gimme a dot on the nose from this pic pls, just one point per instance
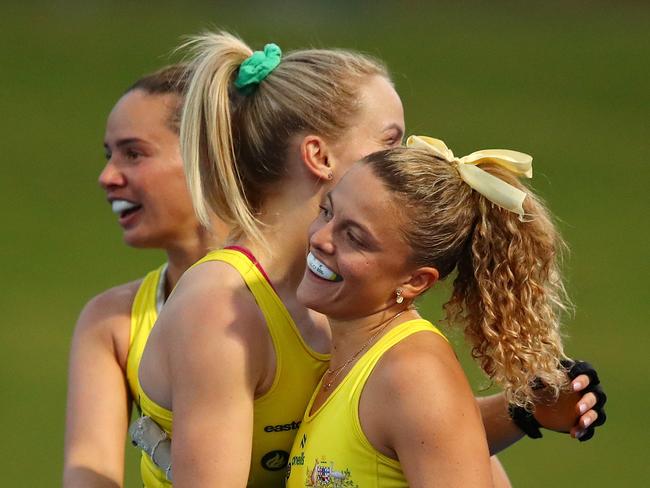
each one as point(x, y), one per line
point(111, 176)
point(320, 237)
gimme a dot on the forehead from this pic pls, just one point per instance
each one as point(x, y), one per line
point(381, 106)
point(361, 196)
point(379, 123)
point(141, 113)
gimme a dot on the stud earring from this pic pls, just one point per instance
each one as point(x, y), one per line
point(330, 175)
point(399, 298)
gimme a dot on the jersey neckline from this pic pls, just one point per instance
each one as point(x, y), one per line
point(309, 415)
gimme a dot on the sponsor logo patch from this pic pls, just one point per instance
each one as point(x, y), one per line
point(275, 460)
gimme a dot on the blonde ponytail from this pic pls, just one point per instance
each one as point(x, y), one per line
point(235, 146)
point(208, 152)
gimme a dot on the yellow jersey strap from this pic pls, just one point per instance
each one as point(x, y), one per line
point(278, 412)
point(144, 313)
point(279, 322)
point(362, 370)
point(366, 365)
point(352, 385)
point(331, 443)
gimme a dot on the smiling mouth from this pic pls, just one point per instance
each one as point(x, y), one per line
point(123, 208)
point(319, 269)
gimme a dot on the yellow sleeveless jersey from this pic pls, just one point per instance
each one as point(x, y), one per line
point(277, 414)
point(331, 449)
point(144, 312)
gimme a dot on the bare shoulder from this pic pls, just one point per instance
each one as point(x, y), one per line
point(211, 322)
point(423, 356)
point(209, 298)
point(212, 276)
point(419, 376)
point(426, 403)
point(106, 319)
point(112, 303)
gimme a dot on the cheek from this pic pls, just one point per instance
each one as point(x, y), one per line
point(370, 276)
point(314, 227)
point(357, 146)
point(172, 188)
point(370, 148)
point(363, 145)
point(359, 270)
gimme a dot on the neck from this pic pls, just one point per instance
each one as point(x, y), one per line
point(349, 336)
point(286, 218)
point(182, 255)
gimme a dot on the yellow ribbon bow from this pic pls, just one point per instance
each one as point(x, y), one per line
point(494, 189)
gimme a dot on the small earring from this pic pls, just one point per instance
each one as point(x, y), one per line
point(399, 298)
point(330, 175)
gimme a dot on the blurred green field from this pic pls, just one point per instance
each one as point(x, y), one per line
point(565, 81)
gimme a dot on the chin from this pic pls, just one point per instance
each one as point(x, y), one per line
point(307, 298)
point(302, 296)
point(140, 241)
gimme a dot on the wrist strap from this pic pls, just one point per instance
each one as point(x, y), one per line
point(525, 420)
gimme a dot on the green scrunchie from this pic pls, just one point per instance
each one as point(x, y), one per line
point(257, 67)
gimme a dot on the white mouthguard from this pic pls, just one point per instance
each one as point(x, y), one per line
point(119, 206)
point(320, 269)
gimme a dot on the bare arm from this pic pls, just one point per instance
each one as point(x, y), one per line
point(499, 475)
point(429, 420)
point(207, 340)
point(500, 430)
point(98, 403)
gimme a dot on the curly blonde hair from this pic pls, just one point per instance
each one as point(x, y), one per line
point(508, 292)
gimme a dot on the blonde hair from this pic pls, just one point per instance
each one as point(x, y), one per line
point(234, 146)
point(508, 291)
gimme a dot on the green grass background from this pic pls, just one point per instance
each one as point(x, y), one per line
point(565, 81)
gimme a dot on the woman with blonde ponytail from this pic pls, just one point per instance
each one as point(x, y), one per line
point(234, 354)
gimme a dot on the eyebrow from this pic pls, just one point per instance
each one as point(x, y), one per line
point(126, 142)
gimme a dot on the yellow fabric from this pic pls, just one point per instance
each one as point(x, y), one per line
point(494, 189)
point(277, 414)
point(143, 315)
point(331, 449)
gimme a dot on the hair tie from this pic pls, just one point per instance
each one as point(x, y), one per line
point(494, 189)
point(257, 67)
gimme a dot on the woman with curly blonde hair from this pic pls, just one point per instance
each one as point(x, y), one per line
point(399, 221)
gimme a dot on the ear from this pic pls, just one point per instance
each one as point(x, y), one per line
point(314, 154)
point(419, 282)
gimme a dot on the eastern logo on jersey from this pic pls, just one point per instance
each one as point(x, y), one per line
point(282, 427)
point(324, 475)
point(275, 460)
